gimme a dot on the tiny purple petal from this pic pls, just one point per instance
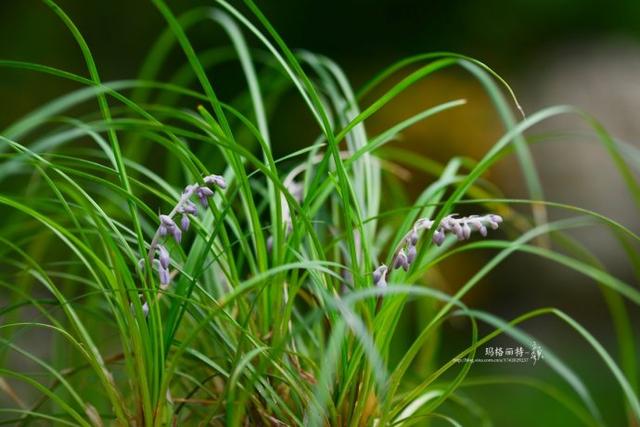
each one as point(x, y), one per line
point(496, 218)
point(167, 221)
point(438, 237)
point(379, 276)
point(413, 239)
point(397, 262)
point(190, 208)
point(206, 191)
point(448, 223)
point(466, 231)
point(376, 276)
point(189, 188)
point(163, 256)
point(475, 224)
point(401, 260)
point(411, 254)
point(162, 231)
point(216, 180)
point(165, 278)
point(184, 222)
point(177, 234)
point(202, 195)
point(457, 230)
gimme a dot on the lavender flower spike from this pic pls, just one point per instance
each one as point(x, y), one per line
point(167, 226)
point(462, 227)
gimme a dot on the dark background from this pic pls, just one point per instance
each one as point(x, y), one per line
point(361, 35)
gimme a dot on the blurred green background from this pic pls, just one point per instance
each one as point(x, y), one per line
point(584, 52)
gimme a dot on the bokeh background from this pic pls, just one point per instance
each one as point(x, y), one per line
point(582, 52)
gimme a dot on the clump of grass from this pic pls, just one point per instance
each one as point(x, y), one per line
point(281, 309)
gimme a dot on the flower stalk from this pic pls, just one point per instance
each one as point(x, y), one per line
point(168, 228)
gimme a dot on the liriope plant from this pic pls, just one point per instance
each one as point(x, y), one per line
point(276, 301)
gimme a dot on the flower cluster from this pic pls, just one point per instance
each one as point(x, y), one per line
point(461, 227)
point(158, 254)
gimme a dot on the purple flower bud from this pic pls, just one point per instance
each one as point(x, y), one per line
point(189, 188)
point(190, 208)
point(401, 261)
point(397, 262)
point(177, 234)
point(379, 276)
point(162, 231)
point(163, 256)
point(203, 193)
point(184, 222)
point(411, 254)
point(206, 191)
point(494, 221)
point(466, 231)
point(413, 239)
point(457, 230)
point(448, 223)
point(167, 221)
point(163, 273)
point(423, 223)
point(216, 180)
point(438, 237)
point(145, 309)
